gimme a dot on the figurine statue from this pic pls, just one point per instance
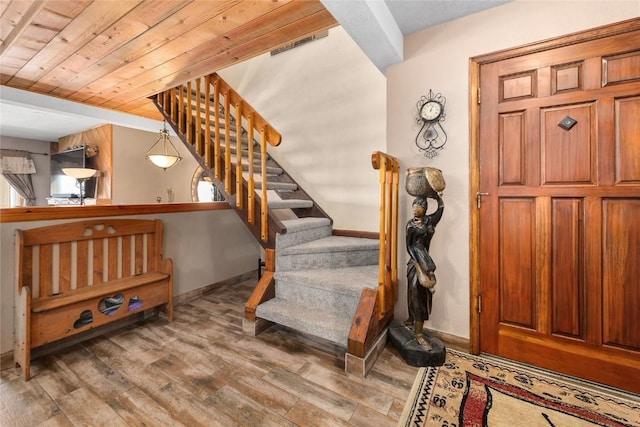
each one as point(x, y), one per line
point(421, 279)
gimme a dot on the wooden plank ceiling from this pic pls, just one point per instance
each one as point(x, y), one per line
point(115, 54)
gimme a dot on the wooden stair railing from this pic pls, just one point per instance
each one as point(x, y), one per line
point(207, 148)
point(375, 309)
point(388, 276)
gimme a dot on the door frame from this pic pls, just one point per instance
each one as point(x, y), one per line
point(475, 63)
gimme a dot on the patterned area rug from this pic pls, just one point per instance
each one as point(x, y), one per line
point(470, 391)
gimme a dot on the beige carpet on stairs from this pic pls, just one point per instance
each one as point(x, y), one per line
point(485, 391)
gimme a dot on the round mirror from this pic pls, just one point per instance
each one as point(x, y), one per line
point(203, 189)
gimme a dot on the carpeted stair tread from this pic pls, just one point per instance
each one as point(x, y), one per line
point(336, 290)
point(320, 323)
point(299, 224)
point(279, 186)
point(328, 252)
point(244, 153)
point(302, 230)
point(290, 204)
point(257, 168)
point(333, 244)
point(221, 125)
point(342, 280)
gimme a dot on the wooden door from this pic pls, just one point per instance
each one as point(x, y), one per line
point(558, 229)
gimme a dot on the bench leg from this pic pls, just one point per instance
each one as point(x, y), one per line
point(26, 370)
point(22, 349)
point(168, 309)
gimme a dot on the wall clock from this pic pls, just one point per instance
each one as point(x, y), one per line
point(431, 137)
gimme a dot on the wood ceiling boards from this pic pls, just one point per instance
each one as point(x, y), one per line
point(114, 54)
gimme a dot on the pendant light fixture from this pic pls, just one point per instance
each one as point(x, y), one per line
point(163, 153)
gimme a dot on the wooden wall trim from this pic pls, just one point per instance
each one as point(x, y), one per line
point(622, 27)
point(474, 214)
point(355, 233)
point(45, 213)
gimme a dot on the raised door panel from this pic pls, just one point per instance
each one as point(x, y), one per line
point(621, 68)
point(567, 77)
point(621, 273)
point(567, 277)
point(569, 152)
point(518, 255)
point(627, 126)
point(512, 148)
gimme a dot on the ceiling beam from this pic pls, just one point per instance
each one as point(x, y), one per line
point(373, 28)
point(69, 110)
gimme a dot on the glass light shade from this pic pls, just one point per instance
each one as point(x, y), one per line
point(163, 161)
point(79, 173)
point(163, 153)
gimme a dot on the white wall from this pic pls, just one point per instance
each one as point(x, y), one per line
point(192, 241)
point(136, 180)
point(328, 101)
point(41, 179)
point(438, 59)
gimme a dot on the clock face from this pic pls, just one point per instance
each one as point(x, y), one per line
point(431, 110)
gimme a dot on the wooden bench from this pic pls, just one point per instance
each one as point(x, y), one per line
point(77, 276)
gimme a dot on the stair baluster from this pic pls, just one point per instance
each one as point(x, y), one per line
point(263, 166)
point(216, 147)
point(239, 181)
point(251, 210)
point(188, 133)
point(180, 116)
point(198, 137)
point(227, 144)
point(207, 122)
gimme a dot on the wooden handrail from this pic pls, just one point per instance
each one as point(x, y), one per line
point(388, 262)
point(375, 308)
point(186, 119)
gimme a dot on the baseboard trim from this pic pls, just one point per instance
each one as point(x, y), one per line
point(355, 233)
point(453, 341)
point(6, 360)
point(197, 293)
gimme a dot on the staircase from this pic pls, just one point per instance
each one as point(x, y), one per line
point(319, 279)
point(337, 287)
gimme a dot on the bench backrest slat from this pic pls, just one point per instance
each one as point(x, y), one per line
point(65, 267)
point(112, 250)
point(45, 269)
point(58, 258)
point(139, 260)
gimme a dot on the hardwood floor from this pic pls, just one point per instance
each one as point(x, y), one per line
point(201, 370)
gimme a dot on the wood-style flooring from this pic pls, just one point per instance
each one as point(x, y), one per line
point(201, 370)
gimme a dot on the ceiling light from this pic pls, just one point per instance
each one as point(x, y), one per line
point(163, 153)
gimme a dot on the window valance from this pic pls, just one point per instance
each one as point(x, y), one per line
point(16, 162)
